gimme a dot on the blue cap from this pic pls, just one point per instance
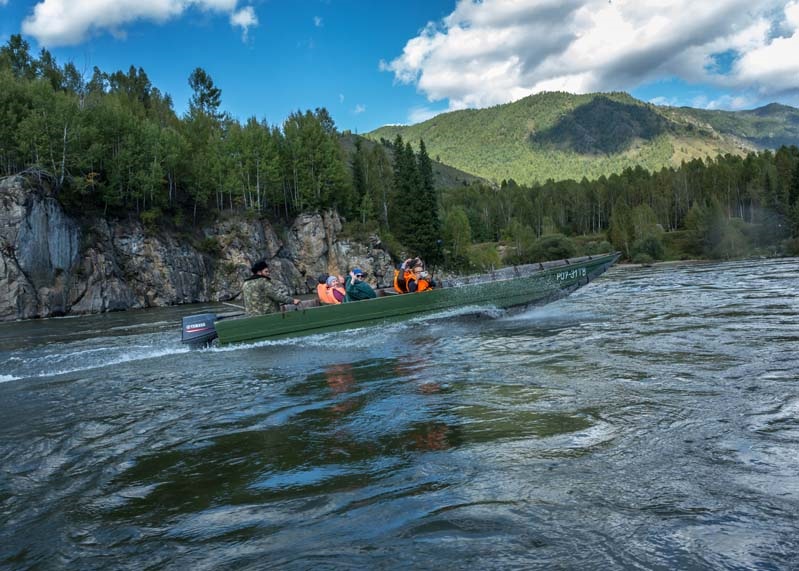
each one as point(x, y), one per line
point(357, 271)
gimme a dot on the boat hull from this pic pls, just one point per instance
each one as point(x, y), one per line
point(511, 287)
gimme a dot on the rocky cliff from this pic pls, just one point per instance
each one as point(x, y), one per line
point(52, 264)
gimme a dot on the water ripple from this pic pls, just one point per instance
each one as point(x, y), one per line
point(647, 421)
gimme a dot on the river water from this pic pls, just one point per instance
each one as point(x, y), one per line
point(648, 421)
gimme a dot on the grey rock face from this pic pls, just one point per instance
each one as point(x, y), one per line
point(51, 265)
point(38, 251)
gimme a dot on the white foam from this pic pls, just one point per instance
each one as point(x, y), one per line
point(7, 378)
point(146, 353)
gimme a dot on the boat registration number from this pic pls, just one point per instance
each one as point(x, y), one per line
point(571, 274)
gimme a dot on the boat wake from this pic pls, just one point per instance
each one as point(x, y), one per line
point(62, 359)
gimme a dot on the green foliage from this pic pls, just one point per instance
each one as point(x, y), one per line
point(791, 247)
point(642, 258)
point(650, 246)
point(210, 246)
point(393, 246)
point(151, 218)
point(360, 231)
point(713, 235)
point(521, 242)
point(553, 247)
point(206, 97)
point(457, 237)
point(484, 257)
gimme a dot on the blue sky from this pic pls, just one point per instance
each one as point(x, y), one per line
point(375, 62)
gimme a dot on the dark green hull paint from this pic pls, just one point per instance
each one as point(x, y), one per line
point(510, 287)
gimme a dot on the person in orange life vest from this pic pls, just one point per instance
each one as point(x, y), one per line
point(419, 280)
point(331, 292)
point(405, 273)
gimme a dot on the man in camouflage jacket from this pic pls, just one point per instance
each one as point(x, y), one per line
point(262, 294)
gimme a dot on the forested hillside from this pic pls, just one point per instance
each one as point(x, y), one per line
point(111, 145)
point(561, 135)
point(767, 127)
point(114, 146)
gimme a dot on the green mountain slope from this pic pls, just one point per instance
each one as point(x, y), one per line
point(560, 135)
point(767, 127)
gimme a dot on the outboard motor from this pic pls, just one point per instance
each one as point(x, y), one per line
point(198, 330)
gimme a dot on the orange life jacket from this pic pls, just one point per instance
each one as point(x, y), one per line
point(401, 282)
point(422, 284)
point(326, 294)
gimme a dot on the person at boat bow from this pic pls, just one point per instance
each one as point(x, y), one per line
point(262, 294)
point(356, 288)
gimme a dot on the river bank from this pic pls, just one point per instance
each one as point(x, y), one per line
point(55, 264)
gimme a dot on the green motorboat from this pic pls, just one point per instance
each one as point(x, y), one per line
point(511, 287)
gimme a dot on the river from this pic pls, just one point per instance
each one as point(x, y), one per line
point(648, 421)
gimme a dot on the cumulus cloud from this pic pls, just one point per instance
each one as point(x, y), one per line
point(359, 109)
point(244, 19)
point(494, 51)
point(70, 22)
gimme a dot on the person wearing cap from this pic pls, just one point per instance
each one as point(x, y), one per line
point(356, 288)
point(262, 294)
point(331, 292)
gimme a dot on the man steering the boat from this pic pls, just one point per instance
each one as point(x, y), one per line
point(262, 294)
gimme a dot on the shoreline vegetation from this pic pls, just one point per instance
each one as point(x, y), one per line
point(112, 147)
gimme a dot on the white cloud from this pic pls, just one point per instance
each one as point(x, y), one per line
point(359, 109)
point(341, 98)
point(244, 19)
point(317, 21)
point(70, 22)
point(3, 2)
point(730, 102)
point(667, 101)
point(494, 51)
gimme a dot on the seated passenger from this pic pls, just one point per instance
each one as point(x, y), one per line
point(331, 292)
point(262, 294)
point(411, 277)
point(402, 274)
point(419, 280)
point(356, 288)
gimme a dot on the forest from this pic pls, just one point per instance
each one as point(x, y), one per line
point(111, 144)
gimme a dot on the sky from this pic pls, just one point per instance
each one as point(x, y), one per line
point(378, 62)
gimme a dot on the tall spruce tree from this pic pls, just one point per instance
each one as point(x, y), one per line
point(428, 230)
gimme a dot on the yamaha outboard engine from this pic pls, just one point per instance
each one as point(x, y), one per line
point(198, 330)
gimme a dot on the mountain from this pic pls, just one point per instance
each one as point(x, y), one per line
point(561, 135)
point(767, 127)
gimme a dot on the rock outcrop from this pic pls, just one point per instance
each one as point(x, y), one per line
point(52, 264)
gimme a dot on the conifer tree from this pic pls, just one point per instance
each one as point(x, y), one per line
point(428, 231)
